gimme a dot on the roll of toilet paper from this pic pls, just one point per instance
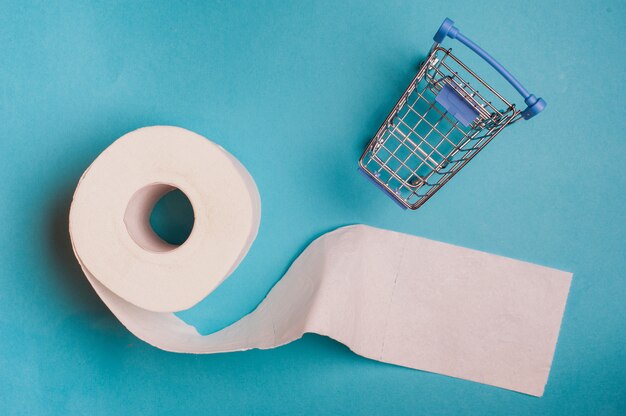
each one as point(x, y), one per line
point(109, 217)
point(387, 296)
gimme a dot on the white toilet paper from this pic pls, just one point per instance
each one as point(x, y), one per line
point(109, 217)
point(388, 296)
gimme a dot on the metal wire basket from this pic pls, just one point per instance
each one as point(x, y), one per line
point(443, 119)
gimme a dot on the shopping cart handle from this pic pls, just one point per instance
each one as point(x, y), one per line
point(535, 105)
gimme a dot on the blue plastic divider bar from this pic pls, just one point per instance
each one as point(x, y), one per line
point(535, 105)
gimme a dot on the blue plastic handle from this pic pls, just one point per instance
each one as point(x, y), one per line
point(535, 105)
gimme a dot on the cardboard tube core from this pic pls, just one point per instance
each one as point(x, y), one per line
point(137, 217)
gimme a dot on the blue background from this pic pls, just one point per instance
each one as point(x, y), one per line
point(295, 90)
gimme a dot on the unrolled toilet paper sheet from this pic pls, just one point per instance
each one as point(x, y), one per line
point(388, 296)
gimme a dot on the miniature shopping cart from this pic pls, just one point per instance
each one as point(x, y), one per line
point(445, 117)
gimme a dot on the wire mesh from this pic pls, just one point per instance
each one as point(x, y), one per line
point(421, 146)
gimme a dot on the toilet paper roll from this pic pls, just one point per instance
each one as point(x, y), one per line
point(388, 296)
point(109, 217)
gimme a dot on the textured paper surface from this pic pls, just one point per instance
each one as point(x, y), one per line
point(388, 296)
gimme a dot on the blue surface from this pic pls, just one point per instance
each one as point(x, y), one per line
point(295, 90)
